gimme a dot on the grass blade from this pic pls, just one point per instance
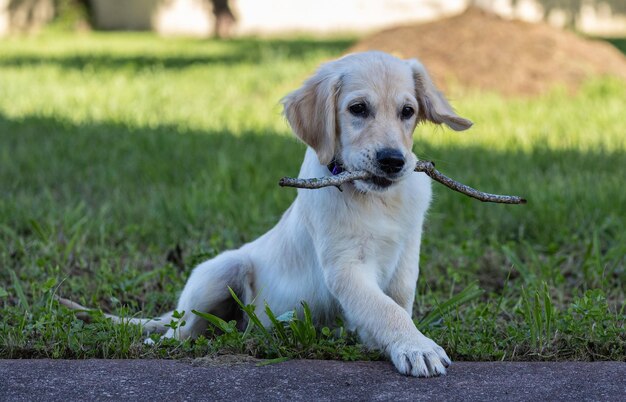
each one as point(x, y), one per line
point(278, 325)
point(250, 311)
point(528, 316)
point(471, 292)
point(549, 309)
point(19, 291)
point(216, 321)
point(37, 228)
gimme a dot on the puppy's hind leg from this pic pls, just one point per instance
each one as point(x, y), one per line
point(207, 291)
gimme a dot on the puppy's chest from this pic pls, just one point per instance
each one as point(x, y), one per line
point(386, 220)
point(381, 236)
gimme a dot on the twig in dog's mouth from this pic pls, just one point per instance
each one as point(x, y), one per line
point(422, 166)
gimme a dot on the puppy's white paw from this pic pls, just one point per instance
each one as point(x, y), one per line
point(420, 358)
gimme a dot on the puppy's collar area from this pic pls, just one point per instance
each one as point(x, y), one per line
point(335, 167)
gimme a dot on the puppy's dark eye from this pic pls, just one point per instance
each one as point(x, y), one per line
point(359, 109)
point(407, 112)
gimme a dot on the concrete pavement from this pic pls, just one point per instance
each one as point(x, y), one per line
point(306, 380)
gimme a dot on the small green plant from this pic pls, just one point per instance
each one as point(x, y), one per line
point(538, 311)
point(591, 325)
point(177, 321)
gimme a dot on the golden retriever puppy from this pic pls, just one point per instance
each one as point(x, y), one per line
point(352, 253)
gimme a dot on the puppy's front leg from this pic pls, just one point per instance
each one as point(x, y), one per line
point(379, 319)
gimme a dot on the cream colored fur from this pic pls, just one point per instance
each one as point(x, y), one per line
point(353, 253)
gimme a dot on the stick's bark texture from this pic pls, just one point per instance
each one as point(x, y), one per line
point(422, 166)
point(327, 181)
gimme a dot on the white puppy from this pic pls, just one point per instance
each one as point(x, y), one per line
point(352, 253)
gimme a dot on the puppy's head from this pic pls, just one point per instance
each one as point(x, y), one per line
point(362, 110)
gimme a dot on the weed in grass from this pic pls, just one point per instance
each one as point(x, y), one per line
point(538, 312)
point(290, 335)
point(177, 321)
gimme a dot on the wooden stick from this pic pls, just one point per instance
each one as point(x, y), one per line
point(422, 166)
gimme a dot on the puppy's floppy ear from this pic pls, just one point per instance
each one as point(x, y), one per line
point(312, 111)
point(433, 106)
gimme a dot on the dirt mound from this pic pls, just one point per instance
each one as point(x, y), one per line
point(477, 49)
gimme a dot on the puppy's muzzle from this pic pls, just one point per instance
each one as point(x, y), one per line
point(390, 161)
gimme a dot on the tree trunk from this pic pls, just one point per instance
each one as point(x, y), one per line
point(28, 15)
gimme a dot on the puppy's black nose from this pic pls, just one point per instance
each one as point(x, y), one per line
point(390, 160)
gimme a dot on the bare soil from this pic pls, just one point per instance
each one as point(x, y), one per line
point(480, 50)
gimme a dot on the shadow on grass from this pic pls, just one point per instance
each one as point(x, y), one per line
point(249, 51)
point(167, 180)
point(160, 171)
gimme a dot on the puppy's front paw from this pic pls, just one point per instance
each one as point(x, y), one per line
point(420, 358)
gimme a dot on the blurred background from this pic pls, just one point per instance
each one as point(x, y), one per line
point(203, 18)
point(140, 137)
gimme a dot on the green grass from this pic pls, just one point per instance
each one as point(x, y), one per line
point(126, 159)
